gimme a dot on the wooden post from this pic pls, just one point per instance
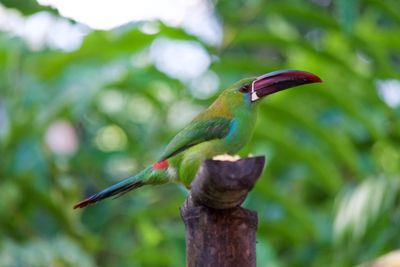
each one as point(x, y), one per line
point(219, 232)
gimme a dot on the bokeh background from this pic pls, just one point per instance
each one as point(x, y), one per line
point(91, 91)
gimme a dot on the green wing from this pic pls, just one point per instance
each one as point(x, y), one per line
point(196, 132)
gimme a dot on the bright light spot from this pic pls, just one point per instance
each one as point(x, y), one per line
point(65, 36)
point(10, 19)
point(150, 27)
point(111, 138)
point(45, 29)
point(389, 91)
point(360, 207)
point(204, 86)
point(163, 91)
point(183, 60)
point(202, 22)
point(109, 14)
point(196, 16)
point(42, 29)
point(61, 138)
point(141, 60)
point(111, 101)
point(181, 113)
point(140, 109)
point(120, 167)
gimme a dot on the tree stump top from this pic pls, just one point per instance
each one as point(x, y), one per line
point(225, 184)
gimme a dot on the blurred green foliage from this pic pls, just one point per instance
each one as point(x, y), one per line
point(330, 192)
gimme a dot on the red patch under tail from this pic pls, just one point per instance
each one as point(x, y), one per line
point(161, 165)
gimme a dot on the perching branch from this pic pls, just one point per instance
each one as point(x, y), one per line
point(218, 231)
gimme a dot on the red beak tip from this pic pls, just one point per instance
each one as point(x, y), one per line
point(318, 79)
point(313, 78)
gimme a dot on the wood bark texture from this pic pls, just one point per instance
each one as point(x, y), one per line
point(219, 232)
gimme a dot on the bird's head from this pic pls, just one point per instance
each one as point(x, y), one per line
point(254, 89)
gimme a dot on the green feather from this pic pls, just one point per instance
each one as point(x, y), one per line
point(195, 133)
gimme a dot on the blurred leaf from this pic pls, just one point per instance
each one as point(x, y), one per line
point(332, 148)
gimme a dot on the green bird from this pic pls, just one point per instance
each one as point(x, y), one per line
point(223, 128)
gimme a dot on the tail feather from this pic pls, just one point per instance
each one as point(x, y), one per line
point(128, 188)
point(116, 190)
point(156, 174)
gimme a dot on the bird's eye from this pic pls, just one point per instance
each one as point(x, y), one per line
point(245, 88)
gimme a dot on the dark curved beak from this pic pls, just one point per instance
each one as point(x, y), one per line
point(280, 80)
